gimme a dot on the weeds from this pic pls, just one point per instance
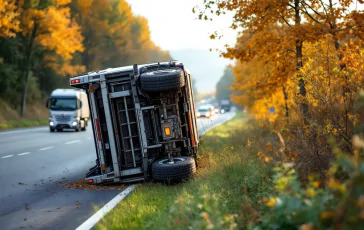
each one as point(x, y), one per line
point(226, 192)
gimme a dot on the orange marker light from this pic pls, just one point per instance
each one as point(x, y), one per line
point(90, 181)
point(92, 89)
point(167, 131)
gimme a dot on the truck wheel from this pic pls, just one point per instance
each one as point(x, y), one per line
point(162, 80)
point(51, 129)
point(181, 169)
point(84, 126)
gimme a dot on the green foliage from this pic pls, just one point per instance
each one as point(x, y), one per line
point(224, 194)
point(100, 34)
point(333, 205)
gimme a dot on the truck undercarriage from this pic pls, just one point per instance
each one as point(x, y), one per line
point(144, 123)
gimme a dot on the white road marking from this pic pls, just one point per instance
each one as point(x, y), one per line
point(46, 148)
point(22, 154)
point(7, 156)
point(71, 142)
point(90, 222)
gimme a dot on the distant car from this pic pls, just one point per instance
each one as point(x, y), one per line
point(205, 111)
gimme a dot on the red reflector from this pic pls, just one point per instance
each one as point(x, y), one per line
point(73, 81)
point(90, 181)
point(98, 129)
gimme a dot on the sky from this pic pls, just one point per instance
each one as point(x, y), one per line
point(174, 26)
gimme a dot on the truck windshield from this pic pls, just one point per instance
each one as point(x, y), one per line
point(63, 104)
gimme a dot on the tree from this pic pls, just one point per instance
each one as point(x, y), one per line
point(9, 18)
point(47, 25)
point(256, 17)
point(223, 86)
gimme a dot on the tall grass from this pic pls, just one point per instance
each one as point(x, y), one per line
point(224, 194)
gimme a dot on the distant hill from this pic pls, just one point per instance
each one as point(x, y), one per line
point(206, 67)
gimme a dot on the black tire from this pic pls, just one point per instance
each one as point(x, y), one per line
point(51, 129)
point(183, 168)
point(84, 126)
point(162, 80)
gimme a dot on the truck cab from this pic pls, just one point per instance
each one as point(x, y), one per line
point(68, 109)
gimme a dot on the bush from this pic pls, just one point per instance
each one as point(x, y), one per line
point(329, 204)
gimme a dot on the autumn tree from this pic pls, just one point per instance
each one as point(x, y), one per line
point(44, 42)
point(47, 26)
point(9, 18)
point(319, 17)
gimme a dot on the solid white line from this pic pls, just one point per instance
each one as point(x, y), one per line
point(46, 148)
point(90, 222)
point(71, 142)
point(7, 156)
point(22, 154)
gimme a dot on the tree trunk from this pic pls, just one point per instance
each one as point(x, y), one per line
point(348, 101)
point(25, 92)
point(27, 71)
point(285, 101)
point(299, 64)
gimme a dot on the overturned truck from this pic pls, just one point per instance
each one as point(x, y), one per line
point(144, 124)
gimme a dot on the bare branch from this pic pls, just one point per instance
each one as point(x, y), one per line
point(309, 15)
point(285, 21)
point(315, 11)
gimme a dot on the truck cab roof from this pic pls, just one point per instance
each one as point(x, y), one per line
point(66, 92)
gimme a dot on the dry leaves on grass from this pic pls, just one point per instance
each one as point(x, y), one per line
point(81, 184)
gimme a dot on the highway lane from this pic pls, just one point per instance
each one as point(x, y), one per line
point(34, 164)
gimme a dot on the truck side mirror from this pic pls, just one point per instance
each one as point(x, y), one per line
point(47, 103)
point(80, 105)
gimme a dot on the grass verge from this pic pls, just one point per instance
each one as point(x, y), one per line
point(225, 193)
point(23, 123)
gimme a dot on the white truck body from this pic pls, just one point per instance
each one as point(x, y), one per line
point(68, 109)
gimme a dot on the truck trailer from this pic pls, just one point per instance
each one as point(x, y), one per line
point(144, 123)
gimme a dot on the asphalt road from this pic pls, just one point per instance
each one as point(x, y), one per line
point(34, 164)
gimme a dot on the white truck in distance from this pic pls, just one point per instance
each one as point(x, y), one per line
point(68, 109)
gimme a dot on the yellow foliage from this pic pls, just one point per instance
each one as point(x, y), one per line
point(310, 192)
point(307, 227)
point(315, 184)
point(271, 202)
point(9, 21)
point(334, 184)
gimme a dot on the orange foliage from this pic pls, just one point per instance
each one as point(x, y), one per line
point(9, 22)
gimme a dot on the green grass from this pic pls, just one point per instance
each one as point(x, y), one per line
point(224, 194)
point(23, 123)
